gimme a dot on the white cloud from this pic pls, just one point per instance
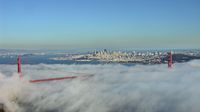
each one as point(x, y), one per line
point(114, 88)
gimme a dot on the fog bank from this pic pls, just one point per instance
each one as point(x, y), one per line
point(113, 88)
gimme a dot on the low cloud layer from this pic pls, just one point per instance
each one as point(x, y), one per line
point(113, 88)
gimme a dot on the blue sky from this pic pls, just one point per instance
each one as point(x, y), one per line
point(64, 24)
